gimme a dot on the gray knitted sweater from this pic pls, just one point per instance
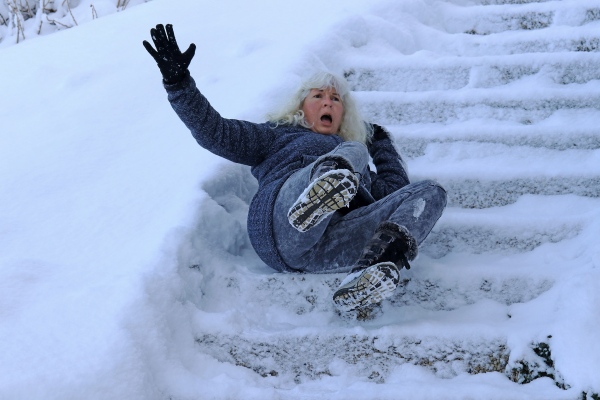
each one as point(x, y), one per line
point(274, 153)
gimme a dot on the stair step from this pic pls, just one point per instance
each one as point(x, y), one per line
point(505, 162)
point(485, 238)
point(486, 20)
point(412, 140)
point(558, 39)
point(500, 22)
point(476, 104)
point(269, 299)
point(509, 172)
point(410, 74)
point(510, 2)
point(305, 356)
point(522, 226)
point(474, 193)
point(430, 289)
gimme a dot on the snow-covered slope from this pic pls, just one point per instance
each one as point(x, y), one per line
point(125, 268)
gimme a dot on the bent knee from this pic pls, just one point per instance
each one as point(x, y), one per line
point(436, 189)
point(435, 184)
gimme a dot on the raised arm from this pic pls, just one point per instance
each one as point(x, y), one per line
point(391, 174)
point(238, 141)
point(173, 64)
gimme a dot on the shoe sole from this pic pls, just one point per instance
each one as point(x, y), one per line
point(372, 286)
point(328, 193)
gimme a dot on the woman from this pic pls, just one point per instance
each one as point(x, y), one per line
point(318, 207)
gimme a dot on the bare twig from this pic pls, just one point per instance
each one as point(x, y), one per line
point(94, 13)
point(20, 29)
point(54, 22)
point(17, 19)
point(70, 12)
point(122, 4)
point(39, 12)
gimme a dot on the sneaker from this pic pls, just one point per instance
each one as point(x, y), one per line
point(367, 286)
point(326, 194)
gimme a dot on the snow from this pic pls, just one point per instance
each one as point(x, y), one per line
point(122, 241)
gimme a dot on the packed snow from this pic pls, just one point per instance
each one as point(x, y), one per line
point(125, 268)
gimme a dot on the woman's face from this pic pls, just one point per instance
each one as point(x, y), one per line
point(323, 110)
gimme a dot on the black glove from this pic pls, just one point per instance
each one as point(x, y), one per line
point(172, 63)
point(379, 133)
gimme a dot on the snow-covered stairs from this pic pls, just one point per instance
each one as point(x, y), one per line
point(311, 356)
point(491, 111)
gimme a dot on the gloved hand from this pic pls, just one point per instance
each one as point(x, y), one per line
point(172, 63)
point(379, 133)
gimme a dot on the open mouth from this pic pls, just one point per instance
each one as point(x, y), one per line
point(326, 118)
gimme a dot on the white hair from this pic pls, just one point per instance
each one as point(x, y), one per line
point(352, 127)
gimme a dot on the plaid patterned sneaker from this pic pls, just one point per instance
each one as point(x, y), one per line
point(326, 194)
point(367, 286)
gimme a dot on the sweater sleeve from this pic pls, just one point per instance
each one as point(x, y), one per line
point(238, 141)
point(391, 174)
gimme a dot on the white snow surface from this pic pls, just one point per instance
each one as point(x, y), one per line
point(122, 241)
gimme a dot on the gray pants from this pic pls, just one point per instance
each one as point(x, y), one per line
point(336, 243)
